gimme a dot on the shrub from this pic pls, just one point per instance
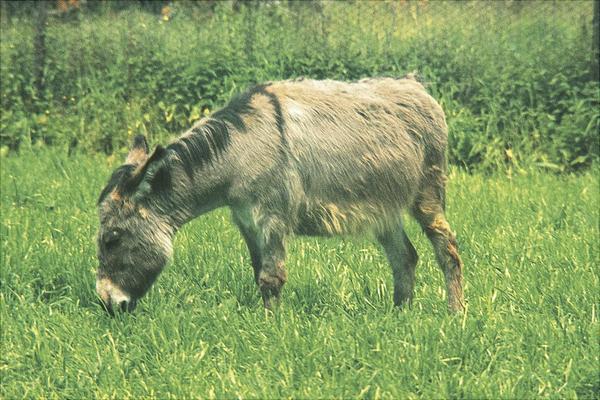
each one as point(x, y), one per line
point(513, 77)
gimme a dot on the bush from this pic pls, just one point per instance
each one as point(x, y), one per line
point(513, 77)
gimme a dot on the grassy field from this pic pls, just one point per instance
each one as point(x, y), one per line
point(529, 239)
point(530, 246)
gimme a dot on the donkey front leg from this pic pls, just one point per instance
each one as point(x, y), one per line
point(272, 275)
point(266, 244)
point(252, 243)
point(271, 279)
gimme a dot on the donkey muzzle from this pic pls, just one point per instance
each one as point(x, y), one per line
point(113, 298)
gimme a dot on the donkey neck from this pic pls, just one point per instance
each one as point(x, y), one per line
point(200, 170)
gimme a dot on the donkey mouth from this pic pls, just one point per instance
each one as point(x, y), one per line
point(113, 298)
point(122, 307)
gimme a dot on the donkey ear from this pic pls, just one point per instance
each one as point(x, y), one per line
point(139, 151)
point(138, 176)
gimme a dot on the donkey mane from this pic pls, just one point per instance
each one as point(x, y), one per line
point(210, 138)
point(202, 144)
point(199, 147)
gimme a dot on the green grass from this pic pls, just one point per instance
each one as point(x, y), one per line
point(529, 243)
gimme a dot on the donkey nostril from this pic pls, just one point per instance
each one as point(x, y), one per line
point(123, 305)
point(106, 307)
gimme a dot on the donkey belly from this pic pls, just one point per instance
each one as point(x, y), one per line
point(357, 191)
point(328, 219)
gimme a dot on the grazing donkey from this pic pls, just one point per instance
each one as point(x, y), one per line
point(299, 156)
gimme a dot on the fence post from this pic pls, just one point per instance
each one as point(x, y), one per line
point(250, 14)
point(596, 41)
point(39, 47)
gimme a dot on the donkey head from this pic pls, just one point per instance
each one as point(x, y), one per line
point(134, 239)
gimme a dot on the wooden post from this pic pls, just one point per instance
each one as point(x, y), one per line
point(39, 47)
point(595, 73)
point(250, 14)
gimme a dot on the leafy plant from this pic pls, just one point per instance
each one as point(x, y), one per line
point(513, 78)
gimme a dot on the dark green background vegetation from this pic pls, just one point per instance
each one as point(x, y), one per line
point(515, 78)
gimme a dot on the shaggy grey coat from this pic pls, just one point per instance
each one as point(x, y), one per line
point(300, 156)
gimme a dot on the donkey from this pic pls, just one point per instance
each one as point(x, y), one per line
point(300, 157)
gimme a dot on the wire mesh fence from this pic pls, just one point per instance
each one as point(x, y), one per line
point(518, 79)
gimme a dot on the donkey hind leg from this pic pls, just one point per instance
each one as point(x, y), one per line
point(402, 257)
point(266, 243)
point(429, 212)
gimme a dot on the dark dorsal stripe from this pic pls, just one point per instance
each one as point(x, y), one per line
point(279, 122)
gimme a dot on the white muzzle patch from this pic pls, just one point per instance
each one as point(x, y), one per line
point(111, 294)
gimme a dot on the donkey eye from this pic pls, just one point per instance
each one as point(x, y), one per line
point(112, 237)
